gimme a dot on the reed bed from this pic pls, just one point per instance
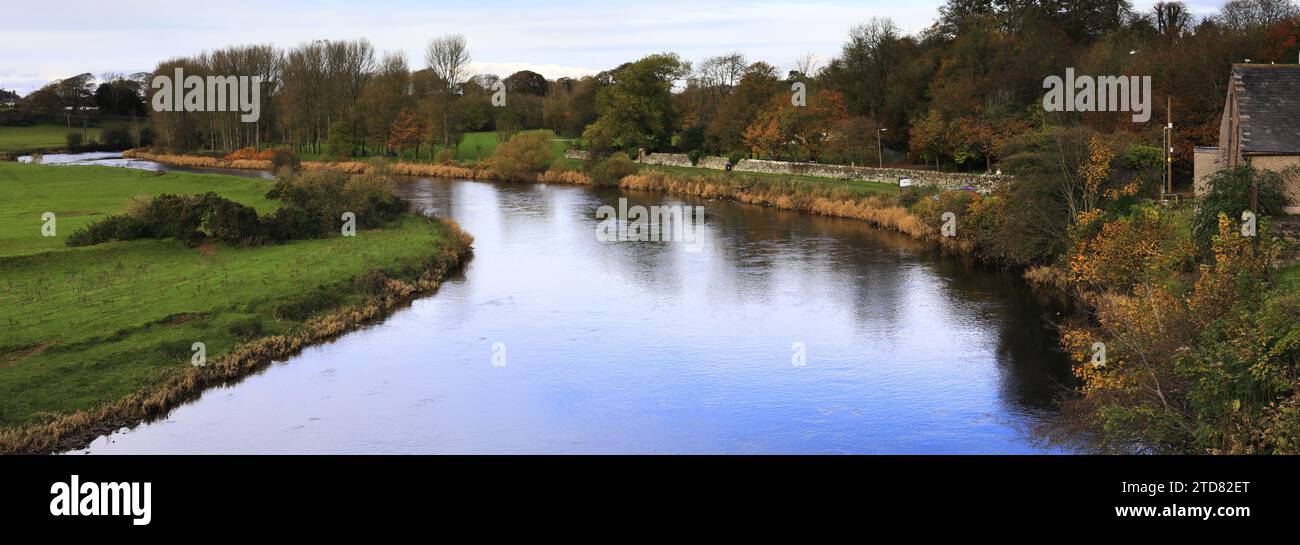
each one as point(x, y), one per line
point(784, 194)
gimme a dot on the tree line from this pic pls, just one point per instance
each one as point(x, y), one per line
point(955, 96)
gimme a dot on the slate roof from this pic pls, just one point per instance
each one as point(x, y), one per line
point(1268, 100)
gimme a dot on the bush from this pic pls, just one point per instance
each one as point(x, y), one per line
point(230, 221)
point(371, 198)
point(523, 157)
point(73, 141)
point(117, 137)
point(695, 155)
point(611, 170)
point(325, 194)
point(339, 140)
point(734, 158)
point(285, 158)
point(293, 223)
point(250, 154)
point(105, 230)
point(445, 157)
point(1230, 194)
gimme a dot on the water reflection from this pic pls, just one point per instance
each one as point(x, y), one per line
point(648, 348)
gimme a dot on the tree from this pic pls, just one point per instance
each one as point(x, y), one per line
point(448, 58)
point(526, 82)
point(1251, 15)
point(407, 132)
point(637, 109)
point(385, 95)
point(782, 125)
point(1172, 18)
point(523, 157)
point(740, 107)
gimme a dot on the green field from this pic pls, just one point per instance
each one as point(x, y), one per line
point(88, 325)
point(14, 139)
point(79, 196)
point(472, 147)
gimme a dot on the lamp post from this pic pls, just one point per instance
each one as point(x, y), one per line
point(880, 149)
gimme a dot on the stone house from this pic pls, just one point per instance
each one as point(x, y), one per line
point(1260, 126)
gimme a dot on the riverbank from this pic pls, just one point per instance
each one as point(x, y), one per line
point(833, 198)
point(102, 337)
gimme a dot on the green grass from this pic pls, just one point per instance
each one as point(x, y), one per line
point(14, 139)
point(472, 147)
point(79, 196)
point(88, 325)
point(1289, 277)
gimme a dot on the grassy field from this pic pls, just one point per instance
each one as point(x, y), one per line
point(472, 147)
point(79, 196)
point(84, 326)
point(14, 139)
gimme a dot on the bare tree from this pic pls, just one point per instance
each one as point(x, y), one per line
point(723, 70)
point(807, 65)
point(448, 58)
point(1172, 18)
point(1245, 15)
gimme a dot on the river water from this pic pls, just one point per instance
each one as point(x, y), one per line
point(552, 341)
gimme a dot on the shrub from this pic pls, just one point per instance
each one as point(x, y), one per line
point(230, 221)
point(445, 157)
point(293, 223)
point(613, 169)
point(1126, 251)
point(523, 157)
point(371, 198)
point(1230, 194)
point(73, 141)
point(183, 217)
point(117, 137)
point(285, 158)
point(695, 155)
point(250, 154)
point(105, 230)
point(733, 158)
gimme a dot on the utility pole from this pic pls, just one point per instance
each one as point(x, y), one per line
point(880, 149)
point(1169, 147)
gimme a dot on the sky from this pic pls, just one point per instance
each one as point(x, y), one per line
point(554, 38)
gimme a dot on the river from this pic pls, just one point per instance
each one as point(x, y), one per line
point(551, 341)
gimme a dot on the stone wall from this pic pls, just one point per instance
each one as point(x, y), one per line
point(669, 159)
point(945, 180)
point(715, 163)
